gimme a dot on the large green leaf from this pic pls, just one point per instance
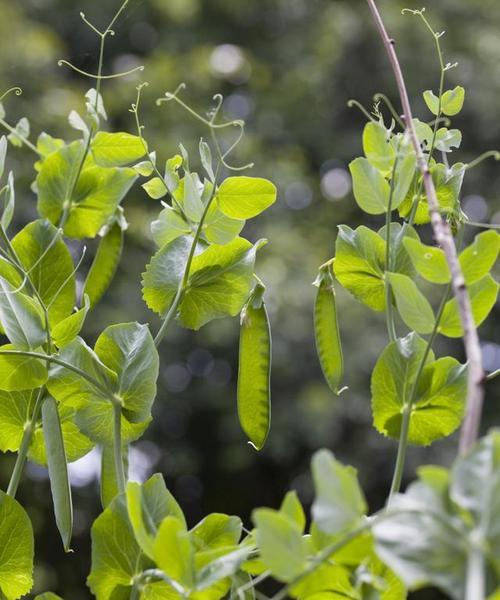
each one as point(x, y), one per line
point(67, 329)
point(412, 305)
point(245, 197)
point(169, 225)
point(476, 488)
point(429, 261)
point(117, 149)
point(148, 505)
point(128, 349)
point(437, 402)
point(218, 228)
point(359, 264)
point(16, 554)
point(44, 254)
point(280, 542)
point(91, 202)
point(174, 553)
point(220, 280)
point(377, 147)
point(370, 188)
point(21, 317)
point(16, 409)
point(422, 543)
point(479, 258)
point(116, 556)
point(483, 295)
point(19, 373)
point(216, 531)
point(339, 504)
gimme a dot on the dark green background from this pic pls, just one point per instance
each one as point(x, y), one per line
point(298, 63)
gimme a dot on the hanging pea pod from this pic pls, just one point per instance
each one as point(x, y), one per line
point(254, 396)
point(105, 264)
point(58, 470)
point(326, 330)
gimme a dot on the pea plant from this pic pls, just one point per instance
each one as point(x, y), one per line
point(59, 397)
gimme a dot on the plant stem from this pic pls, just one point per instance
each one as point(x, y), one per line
point(492, 375)
point(117, 444)
point(29, 428)
point(444, 238)
point(24, 140)
point(405, 422)
point(181, 290)
point(475, 587)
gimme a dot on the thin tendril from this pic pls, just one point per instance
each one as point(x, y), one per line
point(98, 77)
point(358, 105)
point(211, 124)
point(379, 97)
point(17, 90)
point(488, 154)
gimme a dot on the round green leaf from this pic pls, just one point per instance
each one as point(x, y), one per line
point(245, 197)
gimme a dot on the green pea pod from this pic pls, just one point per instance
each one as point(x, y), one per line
point(254, 396)
point(326, 331)
point(58, 470)
point(105, 263)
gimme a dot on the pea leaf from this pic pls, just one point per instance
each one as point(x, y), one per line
point(191, 202)
point(67, 329)
point(216, 531)
point(483, 295)
point(446, 139)
point(21, 130)
point(117, 149)
point(422, 543)
point(174, 553)
point(44, 254)
point(148, 505)
point(370, 188)
point(448, 183)
point(339, 504)
point(16, 541)
point(104, 265)
point(21, 318)
point(129, 351)
point(169, 226)
point(280, 543)
point(155, 188)
point(438, 401)
point(116, 556)
point(245, 197)
point(19, 373)
point(7, 201)
point(452, 101)
point(479, 257)
point(92, 202)
point(429, 261)
point(475, 488)
point(220, 229)
point(377, 147)
point(359, 265)
point(292, 507)
point(3, 152)
point(403, 178)
point(412, 305)
point(219, 283)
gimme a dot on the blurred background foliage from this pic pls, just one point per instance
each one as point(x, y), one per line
point(288, 67)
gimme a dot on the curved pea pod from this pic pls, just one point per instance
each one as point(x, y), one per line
point(326, 331)
point(254, 396)
point(58, 470)
point(104, 265)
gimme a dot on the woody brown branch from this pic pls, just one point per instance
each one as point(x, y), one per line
point(444, 238)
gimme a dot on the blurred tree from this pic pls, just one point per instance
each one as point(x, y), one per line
point(288, 67)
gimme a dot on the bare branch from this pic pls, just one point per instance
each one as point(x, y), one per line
point(444, 238)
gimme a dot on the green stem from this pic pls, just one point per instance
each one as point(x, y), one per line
point(62, 363)
point(181, 290)
point(22, 454)
point(117, 444)
point(405, 423)
point(475, 585)
point(489, 153)
point(391, 328)
point(492, 375)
